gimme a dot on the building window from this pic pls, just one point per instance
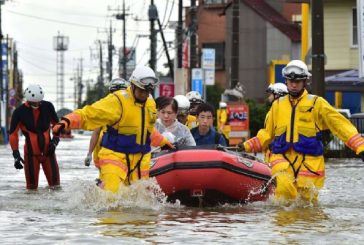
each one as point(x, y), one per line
point(354, 36)
point(219, 54)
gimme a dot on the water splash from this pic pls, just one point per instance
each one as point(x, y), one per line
point(144, 194)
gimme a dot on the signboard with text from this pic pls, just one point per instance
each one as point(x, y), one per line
point(166, 89)
point(238, 116)
point(208, 64)
point(197, 80)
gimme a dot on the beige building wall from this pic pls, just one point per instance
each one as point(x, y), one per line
point(338, 30)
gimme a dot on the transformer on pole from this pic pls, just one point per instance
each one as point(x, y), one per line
point(60, 44)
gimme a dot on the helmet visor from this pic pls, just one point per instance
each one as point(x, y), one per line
point(183, 111)
point(150, 82)
point(295, 73)
point(295, 76)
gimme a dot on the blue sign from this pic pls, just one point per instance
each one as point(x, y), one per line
point(197, 85)
point(278, 73)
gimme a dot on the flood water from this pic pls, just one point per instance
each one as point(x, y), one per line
point(80, 213)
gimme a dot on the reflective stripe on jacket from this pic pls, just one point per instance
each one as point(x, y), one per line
point(299, 126)
point(131, 123)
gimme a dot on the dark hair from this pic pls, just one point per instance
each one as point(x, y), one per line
point(164, 101)
point(205, 107)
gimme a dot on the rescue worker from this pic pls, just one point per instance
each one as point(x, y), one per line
point(183, 111)
point(130, 114)
point(94, 146)
point(274, 91)
point(195, 100)
point(204, 133)
point(223, 126)
point(294, 131)
point(34, 118)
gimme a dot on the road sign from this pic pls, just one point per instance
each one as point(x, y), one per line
point(209, 77)
point(166, 89)
point(197, 80)
point(208, 58)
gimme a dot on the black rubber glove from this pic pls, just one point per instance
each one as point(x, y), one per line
point(53, 145)
point(361, 154)
point(17, 160)
point(241, 147)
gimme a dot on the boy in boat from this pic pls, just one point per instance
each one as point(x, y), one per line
point(294, 132)
point(204, 133)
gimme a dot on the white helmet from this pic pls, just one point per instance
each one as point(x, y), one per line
point(117, 84)
point(34, 93)
point(222, 104)
point(296, 70)
point(279, 89)
point(183, 104)
point(194, 97)
point(144, 77)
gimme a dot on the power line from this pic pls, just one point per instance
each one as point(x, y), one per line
point(52, 20)
point(62, 22)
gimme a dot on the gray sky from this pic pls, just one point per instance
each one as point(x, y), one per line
point(34, 23)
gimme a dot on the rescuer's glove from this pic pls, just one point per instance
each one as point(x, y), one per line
point(241, 147)
point(17, 160)
point(88, 159)
point(57, 129)
point(168, 146)
point(53, 145)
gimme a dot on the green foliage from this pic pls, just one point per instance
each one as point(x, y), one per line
point(92, 95)
point(257, 114)
point(213, 95)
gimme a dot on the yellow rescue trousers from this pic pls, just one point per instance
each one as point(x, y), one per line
point(297, 176)
point(121, 169)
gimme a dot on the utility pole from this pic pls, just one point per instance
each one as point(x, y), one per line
point(318, 53)
point(179, 34)
point(234, 76)
point(2, 138)
point(124, 60)
point(193, 42)
point(110, 49)
point(79, 83)
point(170, 65)
point(100, 90)
point(153, 15)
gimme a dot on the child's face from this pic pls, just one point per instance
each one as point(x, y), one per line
point(205, 119)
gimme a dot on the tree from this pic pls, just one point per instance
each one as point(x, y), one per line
point(257, 114)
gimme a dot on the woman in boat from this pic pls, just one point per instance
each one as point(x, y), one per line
point(167, 122)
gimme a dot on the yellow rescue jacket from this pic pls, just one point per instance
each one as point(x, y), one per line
point(191, 122)
point(298, 125)
point(130, 123)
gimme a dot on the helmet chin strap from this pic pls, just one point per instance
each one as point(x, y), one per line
point(299, 93)
point(133, 87)
point(296, 94)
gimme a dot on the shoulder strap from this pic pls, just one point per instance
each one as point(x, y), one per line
point(121, 104)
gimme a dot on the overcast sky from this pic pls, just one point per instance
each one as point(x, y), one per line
point(34, 23)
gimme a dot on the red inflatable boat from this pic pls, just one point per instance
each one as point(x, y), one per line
point(211, 176)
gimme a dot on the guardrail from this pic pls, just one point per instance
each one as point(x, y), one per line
point(337, 149)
